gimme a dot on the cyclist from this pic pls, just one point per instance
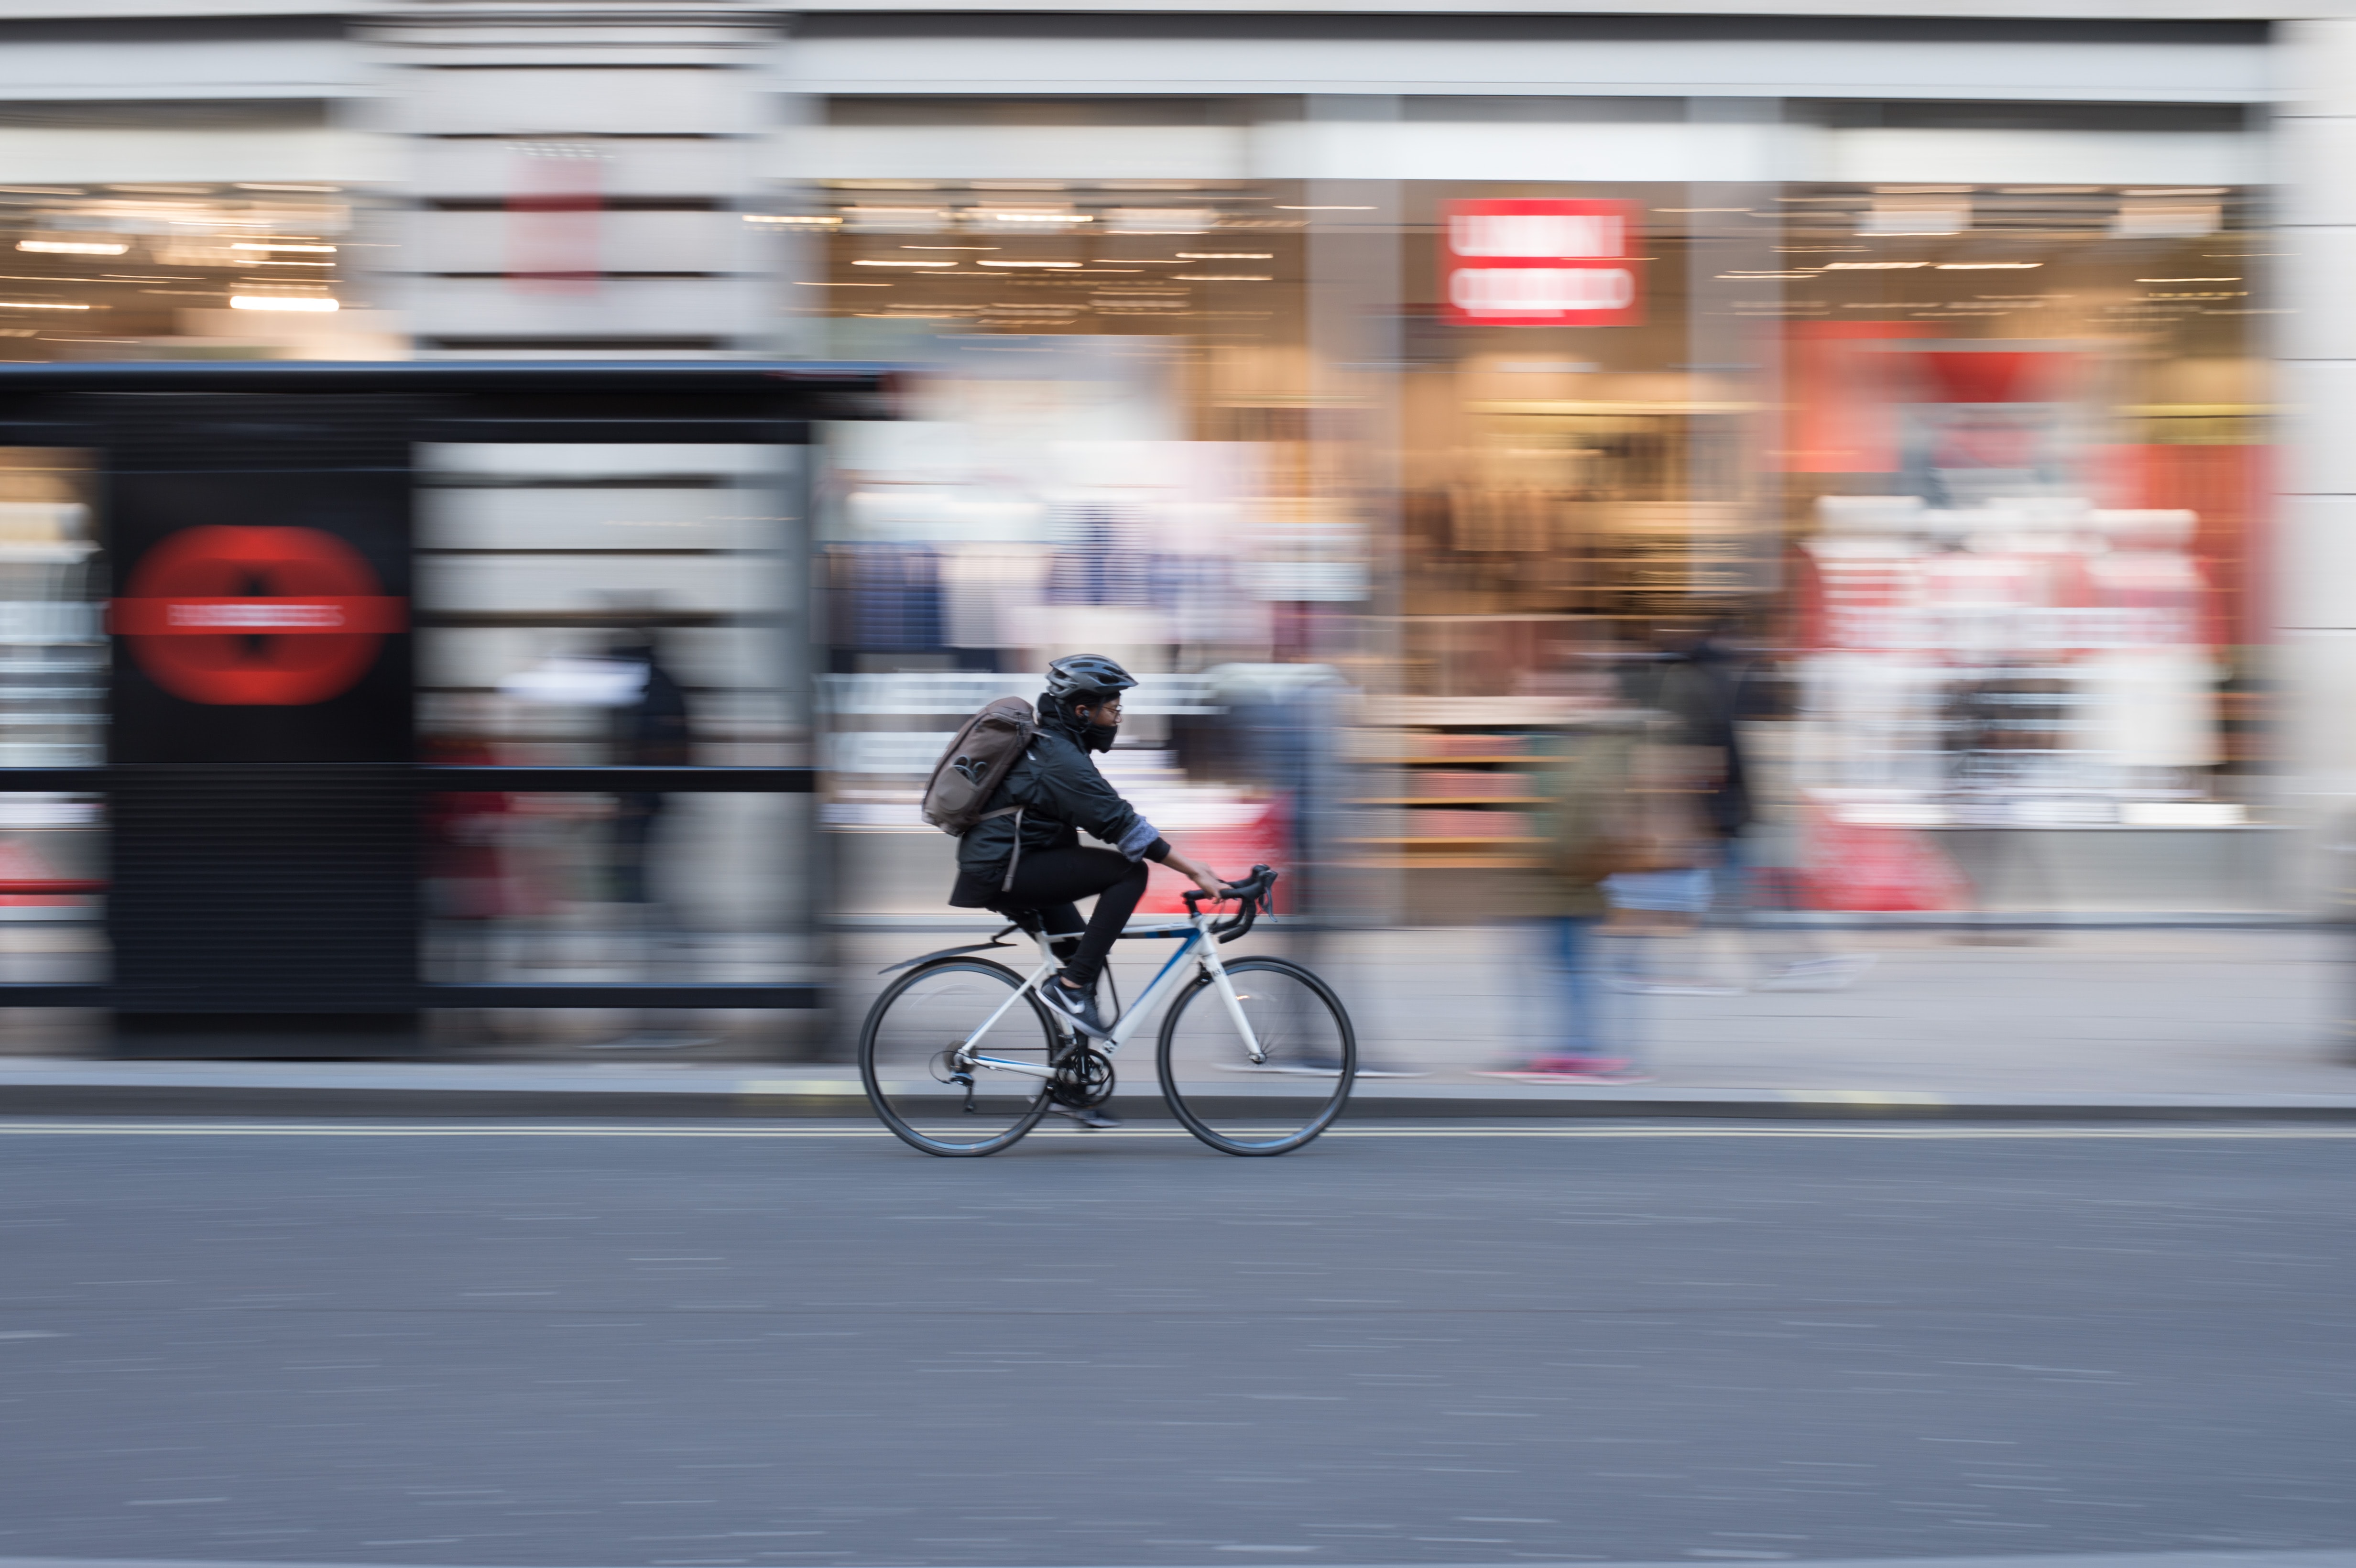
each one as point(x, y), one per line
point(1059, 792)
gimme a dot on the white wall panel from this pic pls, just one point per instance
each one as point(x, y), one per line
point(558, 584)
point(687, 166)
point(186, 68)
point(1515, 150)
point(2317, 156)
point(2318, 670)
point(572, 101)
point(1980, 10)
point(44, 156)
point(596, 519)
point(2317, 61)
point(2319, 532)
point(2316, 268)
point(2079, 71)
point(2316, 397)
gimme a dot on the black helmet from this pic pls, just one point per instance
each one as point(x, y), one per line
point(1089, 678)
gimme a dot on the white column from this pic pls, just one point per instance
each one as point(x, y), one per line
point(2313, 543)
point(607, 154)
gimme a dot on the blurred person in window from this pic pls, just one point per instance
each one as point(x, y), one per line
point(1688, 798)
point(1704, 684)
point(650, 731)
point(1592, 830)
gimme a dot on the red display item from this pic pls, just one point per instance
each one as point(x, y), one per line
point(1857, 867)
point(1526, 262)
point(1260, 839)
point(255, 616)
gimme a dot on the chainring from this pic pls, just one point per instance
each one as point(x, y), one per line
point(1085, 1079)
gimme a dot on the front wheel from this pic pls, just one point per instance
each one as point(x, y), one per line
point(1274, 1105)
point(908, 1049)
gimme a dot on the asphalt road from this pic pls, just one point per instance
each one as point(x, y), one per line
point(762, 1346)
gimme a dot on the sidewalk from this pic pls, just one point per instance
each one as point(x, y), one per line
point(2145, 1023)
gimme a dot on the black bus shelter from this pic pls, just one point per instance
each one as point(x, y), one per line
point(264, 895)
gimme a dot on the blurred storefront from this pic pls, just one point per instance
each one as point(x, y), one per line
point(1974, 467)
point(1377, 370)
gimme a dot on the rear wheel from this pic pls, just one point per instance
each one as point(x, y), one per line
point(907, 1047)
point(1273, 1105)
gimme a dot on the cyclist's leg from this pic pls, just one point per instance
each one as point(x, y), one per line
point(1062, 924)
point(1059, 878)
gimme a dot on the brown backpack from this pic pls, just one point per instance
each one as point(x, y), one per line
point(976, 764)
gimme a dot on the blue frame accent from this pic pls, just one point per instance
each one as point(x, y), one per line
point(1184, 949)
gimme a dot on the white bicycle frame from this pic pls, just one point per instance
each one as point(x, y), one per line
point(1196, 941)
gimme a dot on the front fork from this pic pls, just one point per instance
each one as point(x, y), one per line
point(1234, 1006)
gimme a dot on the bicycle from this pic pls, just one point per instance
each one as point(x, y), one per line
point(961, 1058)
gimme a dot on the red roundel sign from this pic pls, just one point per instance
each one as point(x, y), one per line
point(255, 617)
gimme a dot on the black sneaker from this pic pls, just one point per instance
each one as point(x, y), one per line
point(1075, 1007)
point(1093, 1118)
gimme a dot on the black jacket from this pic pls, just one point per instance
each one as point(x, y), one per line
point(1060, 792)
point(1703, 691)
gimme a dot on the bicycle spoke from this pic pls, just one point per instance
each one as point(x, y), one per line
point(1296, 1088)
point(921, 1057)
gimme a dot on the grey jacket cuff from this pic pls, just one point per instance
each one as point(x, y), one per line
point(1138, 840)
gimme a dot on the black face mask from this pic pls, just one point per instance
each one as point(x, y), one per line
point(1092, 737)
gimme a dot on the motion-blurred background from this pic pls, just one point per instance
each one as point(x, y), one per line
point(1396, 392)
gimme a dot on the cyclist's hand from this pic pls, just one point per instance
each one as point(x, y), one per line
point(1212, 887)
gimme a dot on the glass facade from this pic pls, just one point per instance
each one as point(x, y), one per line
point(1976, 467)
point(617, 603)
point(1265, 397)
point(161, 271)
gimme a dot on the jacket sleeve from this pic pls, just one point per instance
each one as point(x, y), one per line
point(1077, 792)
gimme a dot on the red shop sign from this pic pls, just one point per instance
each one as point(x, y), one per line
point(1530, 262)
point(255, 617)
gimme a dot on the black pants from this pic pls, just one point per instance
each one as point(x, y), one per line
point(1051, 880)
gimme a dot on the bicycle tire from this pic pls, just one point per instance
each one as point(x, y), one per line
point(918, 1112)
point(1306, 1034)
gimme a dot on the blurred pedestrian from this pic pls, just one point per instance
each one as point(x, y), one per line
point(1668, 860)
point(651, 729)
point(1589, 832)
point(1704, 683)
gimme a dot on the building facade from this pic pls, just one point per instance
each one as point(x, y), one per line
point(1984, 361)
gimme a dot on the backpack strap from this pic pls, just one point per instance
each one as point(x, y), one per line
point(1007, 883)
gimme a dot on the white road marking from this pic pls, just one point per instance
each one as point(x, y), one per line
point(572, 1130)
